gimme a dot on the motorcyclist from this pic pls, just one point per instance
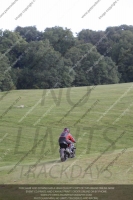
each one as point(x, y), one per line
point(66, 137)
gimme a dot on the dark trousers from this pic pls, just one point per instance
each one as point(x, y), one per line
point(62, 139)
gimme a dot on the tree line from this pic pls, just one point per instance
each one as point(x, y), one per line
point(31, 59)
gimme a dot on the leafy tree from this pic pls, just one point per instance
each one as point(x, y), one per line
point(34, 59)
point(12, 45)
point(92, 68)
point(59, 38)
point(42, 67)
point(30, 33)
point(6, 82)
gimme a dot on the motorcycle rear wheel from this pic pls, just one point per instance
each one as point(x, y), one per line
point(62, 154)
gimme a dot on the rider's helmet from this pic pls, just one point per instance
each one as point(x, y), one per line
point(66, 129)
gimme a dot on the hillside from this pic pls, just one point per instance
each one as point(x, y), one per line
point(100, 120)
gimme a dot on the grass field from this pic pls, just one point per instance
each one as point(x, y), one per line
point(102, 126)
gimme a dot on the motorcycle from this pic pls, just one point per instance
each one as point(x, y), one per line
point(65, 152)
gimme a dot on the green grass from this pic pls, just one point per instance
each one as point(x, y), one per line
point(93, 137)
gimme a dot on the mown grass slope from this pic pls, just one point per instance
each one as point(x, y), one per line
point(101, 123)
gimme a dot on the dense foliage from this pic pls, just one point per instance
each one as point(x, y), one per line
point(30, 59)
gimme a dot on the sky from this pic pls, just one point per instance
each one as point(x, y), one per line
point(65, 13)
